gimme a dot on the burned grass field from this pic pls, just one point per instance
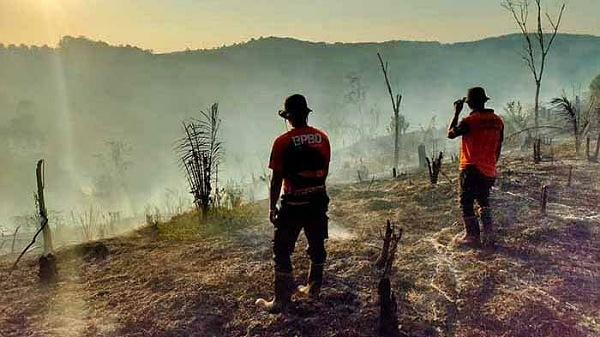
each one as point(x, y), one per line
point(176, 280)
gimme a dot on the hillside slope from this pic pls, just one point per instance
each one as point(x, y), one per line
point(65, 103)
point(541, 281)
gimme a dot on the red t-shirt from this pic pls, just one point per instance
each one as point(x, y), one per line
point(302, 155)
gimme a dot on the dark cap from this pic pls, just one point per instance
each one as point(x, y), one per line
point(476, 94)
point(294, 105)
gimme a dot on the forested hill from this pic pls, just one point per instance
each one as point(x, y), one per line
point(70, 100)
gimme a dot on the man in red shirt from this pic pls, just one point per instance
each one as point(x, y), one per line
point(482, 135)
point(300, 162)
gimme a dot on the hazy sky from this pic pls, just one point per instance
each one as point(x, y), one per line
point(167, 25)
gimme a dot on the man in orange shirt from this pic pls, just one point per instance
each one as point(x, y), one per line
point(482, 135)
point(300, 162)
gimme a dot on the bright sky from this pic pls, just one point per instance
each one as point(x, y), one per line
point(168, 25)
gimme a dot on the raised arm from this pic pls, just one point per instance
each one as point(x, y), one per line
point(456, 129)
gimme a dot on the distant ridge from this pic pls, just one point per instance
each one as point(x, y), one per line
point(278, 39)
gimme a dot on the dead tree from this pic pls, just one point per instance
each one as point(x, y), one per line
point(47, 262)
point(200, 152)
point(537, 43)
point(388, 319)
point(399, 121)
point(434, 166)
point(592, 158)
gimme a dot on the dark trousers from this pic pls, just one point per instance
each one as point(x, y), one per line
point(308, 213)
point(474, 186)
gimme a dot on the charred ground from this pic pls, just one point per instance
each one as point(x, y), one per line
point(179, 281)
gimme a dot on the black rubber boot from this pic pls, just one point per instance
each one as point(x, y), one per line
point(315, 280)
point(472, 234)
point(284, 283)
point(485, 214)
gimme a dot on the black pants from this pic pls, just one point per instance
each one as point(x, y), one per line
point(308, 213)
point(474, 186)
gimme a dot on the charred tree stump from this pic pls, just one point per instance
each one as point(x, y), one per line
point(380, 263)
point(592, 158)
point(434, 166)
point(388, 308)
point(394, 173)
point(47, 271)
point(544, 199)
point(388, 319)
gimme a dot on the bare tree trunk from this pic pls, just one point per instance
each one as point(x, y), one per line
point(47, 261)
point(43, 213)
point(396, 138)
point(538, 86)
point(396, 108)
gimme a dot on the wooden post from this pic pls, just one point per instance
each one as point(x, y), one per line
point(544, 199)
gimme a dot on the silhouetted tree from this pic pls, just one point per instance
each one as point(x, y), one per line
point(535, 56)
point(398, 120)
point(200, 152)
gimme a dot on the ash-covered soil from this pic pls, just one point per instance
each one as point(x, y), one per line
point(542, 280)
